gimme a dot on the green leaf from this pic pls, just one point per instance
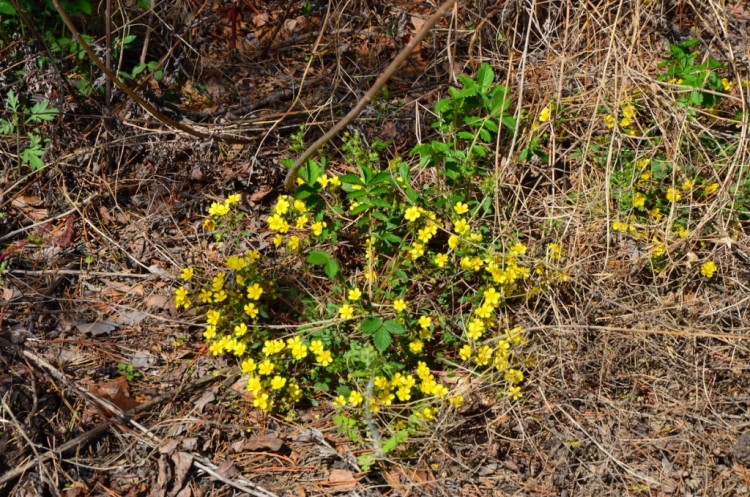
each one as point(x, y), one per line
point(331, 268)
point(485, 77)
point(382, 339)
point(42, 112)
point(394, 327)
point(318, 258)
point(33, 157)
point(6, 8)
point(371, 325)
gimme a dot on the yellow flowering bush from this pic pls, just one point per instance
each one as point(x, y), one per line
point(375, 289)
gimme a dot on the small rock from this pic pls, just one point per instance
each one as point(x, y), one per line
point(742, 449)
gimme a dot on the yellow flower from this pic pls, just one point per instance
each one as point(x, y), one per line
point(266, 367)
point(416, 346)
point(609, 121)
point(680, 231)
point(278, 240)
point(513, 376)
point(323, 180)
point(425, 234)
point(441, 260)
point(317, 228)
point(425, 321)
point(355, 398)
point(181, 298)
point(416, 251)
point(236, 263)
point(474, 329)
point(324, 358)
point(726, 84)
point(711, 189)
point(209, 224)
point(263, 402)
point(240, 329)
point(187, 273)
point(278, 382)
point(515, 393)
point(346, 311)
point(210, 332)
point(248, 366)
point(423, 371)
point(339, 401)
point(294, 392)
point(254, 385)
point(465, 352)
point(483, 355)
point(544, 114)
point(457, 401)
point(673, 195)
point(334, 181)
point(301, 222)
point(639, 200)
point(218, 209)
point(460, 208)
point(254, 292)
point(491, 297)
point(299, 351)
point(399, 305)
point(453, 241)
point(271, 347)
point(646, 175)
point(300, 206)
point(233, 199)
point(412, 213)
point(708, 269)
point(277, 223)
point(252, 256)
point(251, 310)
point(316, 347)
point(293, 242)
point(655, 214)
point(355, 294)
point(212, 317)
point(688, 185)
point(282, 205)
point(461, 226)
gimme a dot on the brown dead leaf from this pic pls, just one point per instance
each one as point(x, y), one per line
point(341, 480)
point(227, 469)
point(30, 207)
point(119, 288)
point(418, 22)
point(168, 445)
point(116, 391)
point(262, 443)
point(9, 294)
point(182, 463)
point(159, 302)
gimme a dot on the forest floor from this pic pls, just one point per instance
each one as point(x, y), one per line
point(639, 372)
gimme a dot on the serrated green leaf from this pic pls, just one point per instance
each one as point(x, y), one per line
point(382, 339)
point(331, 268)
point(318, 258)
point(485, 77)
point(394, 327)
point(359, 209)
point(371, 325)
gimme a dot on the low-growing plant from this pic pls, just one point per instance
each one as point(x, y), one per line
point(380, 294)
point(25, 125)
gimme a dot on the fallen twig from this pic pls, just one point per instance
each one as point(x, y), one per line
point(291, 176)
